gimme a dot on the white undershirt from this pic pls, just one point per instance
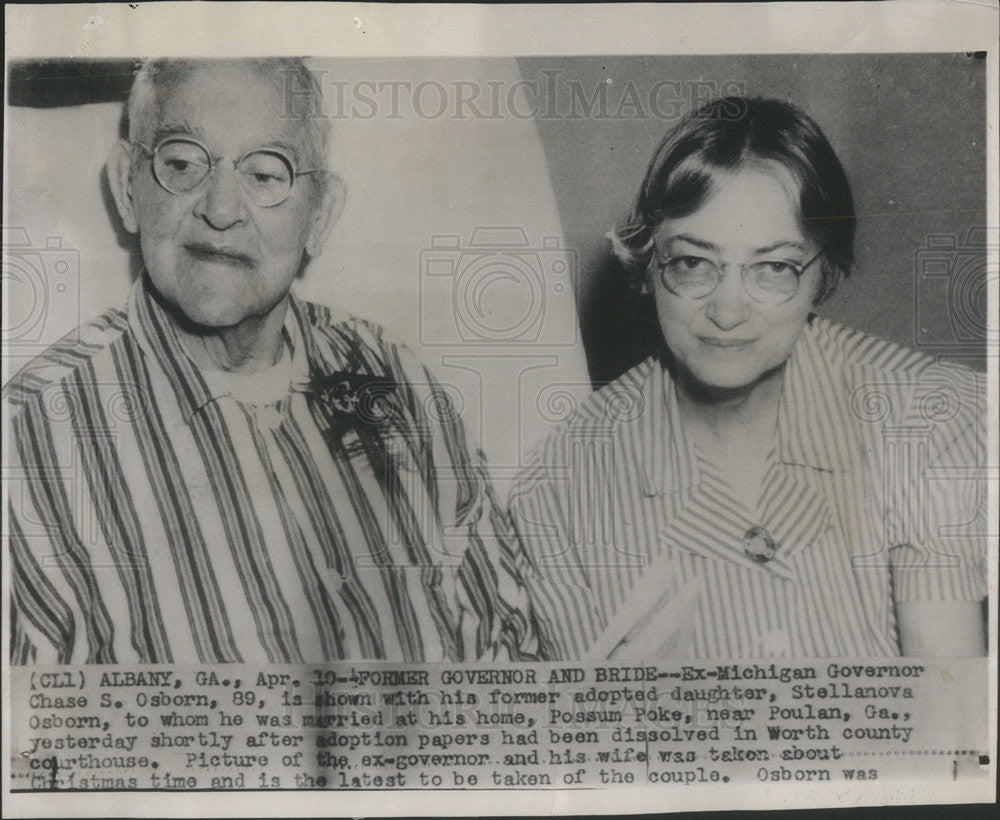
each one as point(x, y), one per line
point(260, 388)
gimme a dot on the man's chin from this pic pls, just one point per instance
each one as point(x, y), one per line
point(222, 306)
point(209, 316)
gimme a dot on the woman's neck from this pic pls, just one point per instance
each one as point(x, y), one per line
point(741, 418)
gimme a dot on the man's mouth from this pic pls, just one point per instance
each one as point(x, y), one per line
point(222, 254)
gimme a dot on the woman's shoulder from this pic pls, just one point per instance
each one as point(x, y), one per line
point(907, 386)
point(602, 412)
point(852, 348)
point(566, 458)
point(617, 401)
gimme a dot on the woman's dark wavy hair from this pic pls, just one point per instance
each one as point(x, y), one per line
point(728, 134)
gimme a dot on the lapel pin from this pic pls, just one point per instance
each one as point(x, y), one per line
point(758, 545)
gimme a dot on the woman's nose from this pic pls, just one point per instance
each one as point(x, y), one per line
point(729, 304)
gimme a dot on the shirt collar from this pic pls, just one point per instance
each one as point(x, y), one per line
point(669, 459)
point(813, 417)
point(157, 336)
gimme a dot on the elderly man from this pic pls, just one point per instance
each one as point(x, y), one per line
point(221, 472)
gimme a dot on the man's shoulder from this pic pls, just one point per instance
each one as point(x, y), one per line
point(325, 319)
point(348, 341)
point(62, 362)
point(340, 329)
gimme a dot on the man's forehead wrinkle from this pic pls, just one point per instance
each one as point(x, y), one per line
point(179, 128)
point(231, 109)
point(288, 139)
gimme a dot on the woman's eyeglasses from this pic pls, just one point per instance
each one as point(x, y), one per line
point(770, 282)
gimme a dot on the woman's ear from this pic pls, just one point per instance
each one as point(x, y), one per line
point(829, 282)
point(120, 181)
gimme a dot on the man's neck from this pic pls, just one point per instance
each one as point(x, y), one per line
point(253, 345)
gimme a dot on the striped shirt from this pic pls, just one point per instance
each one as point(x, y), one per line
point(155, 518)
point(874, 493)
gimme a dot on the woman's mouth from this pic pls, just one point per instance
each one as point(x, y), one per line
point(725, 344)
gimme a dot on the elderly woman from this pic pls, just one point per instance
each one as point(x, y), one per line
point(768, 483)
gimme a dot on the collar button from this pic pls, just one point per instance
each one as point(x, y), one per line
point(269, 417)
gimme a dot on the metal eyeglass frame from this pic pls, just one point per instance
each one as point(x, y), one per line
point(213, 163)
point(661, 265)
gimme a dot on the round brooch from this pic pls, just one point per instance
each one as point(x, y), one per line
point(758, 545)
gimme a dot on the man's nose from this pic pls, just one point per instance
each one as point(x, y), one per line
point(221, 203)
point(729, 304)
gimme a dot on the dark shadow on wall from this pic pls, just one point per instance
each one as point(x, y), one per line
point(56, 83)
point(618, 324)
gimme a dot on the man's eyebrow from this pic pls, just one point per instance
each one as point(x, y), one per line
point(177, 128)
point(281, 142)
point(182, 128)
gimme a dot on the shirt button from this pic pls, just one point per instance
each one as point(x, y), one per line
point(269, 417)
point(776, 642)
point(334, 580)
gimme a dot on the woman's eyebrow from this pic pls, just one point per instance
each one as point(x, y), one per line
point(704, 244)
point(784, 243)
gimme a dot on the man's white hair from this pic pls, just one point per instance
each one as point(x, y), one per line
point(302, 89)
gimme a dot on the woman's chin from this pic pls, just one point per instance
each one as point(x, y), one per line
point(727, 382)
point(725, 378)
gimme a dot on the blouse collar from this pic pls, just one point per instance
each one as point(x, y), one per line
point(814, 427)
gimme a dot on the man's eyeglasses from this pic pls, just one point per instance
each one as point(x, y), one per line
point(770, 282)
point(266, 175)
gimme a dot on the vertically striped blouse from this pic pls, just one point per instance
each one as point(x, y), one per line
point(156, 518)
point(874, 493)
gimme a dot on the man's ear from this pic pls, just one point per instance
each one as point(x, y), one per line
point(326, 214)
point(120, 180)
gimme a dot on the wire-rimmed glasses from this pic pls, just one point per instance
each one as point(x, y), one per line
point(265, 175)
point(768, 281)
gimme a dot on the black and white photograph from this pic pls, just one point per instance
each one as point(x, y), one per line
point(460, 408)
